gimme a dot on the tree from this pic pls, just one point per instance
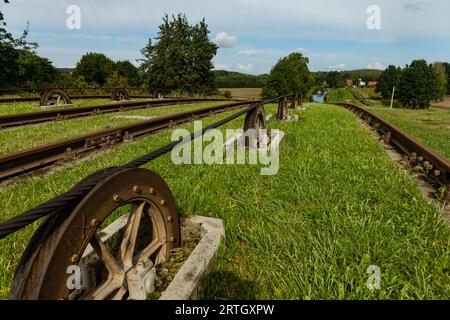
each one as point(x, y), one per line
point(418, 85)
point(66, 80)
point(19, 64)
point(94, 67)
point(227, 94)
point(34, 70)
point(180, 58)
point(442, 78)
point(116, 81)
point(127, 70)
point(334, 79)
point(290, 74)
point(389, 79)
point(199, 77)
point(447, 71)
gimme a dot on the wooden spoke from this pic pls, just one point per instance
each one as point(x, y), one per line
point(115, 273)
point(106, 256)
point(120, 294)
point(128, 244)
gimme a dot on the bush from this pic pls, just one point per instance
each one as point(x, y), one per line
point(227, 94)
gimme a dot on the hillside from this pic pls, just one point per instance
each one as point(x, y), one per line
point(229, 79)
point(364, 74)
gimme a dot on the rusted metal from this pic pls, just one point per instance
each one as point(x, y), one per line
point(37, 158)
point(152, 230)
point(119, 95)
point(22, 119)
point(294, 102)
point(416, 151)
point(255, 121)
point(54, 97)
point(282, 113)
point(78, 97)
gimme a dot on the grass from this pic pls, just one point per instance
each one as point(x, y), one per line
point(21, 138)
point(33, 106)
point(244, 93)
point(337, 206)
point(431, 126)
point(340, 95)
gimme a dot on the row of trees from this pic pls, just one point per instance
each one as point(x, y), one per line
point(97, 68)
point(417, 84)
point(179, 59)
point(230, 79)
point(337, 79)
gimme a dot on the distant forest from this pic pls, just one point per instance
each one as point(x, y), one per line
point(229, 79)
point(337, 79)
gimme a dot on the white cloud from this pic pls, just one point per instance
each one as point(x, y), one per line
point(248, 53)
point(223, 40)
point(301, 50)
point(244, 67)
point(376, 66)
point(125, 39)
point(341, 66)
point(222, 66)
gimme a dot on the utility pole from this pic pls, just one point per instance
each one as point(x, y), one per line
point(392, 99)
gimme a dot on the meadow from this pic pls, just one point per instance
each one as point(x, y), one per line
point(337, 206)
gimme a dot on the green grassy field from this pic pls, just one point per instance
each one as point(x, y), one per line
point(340, 95)
point(20, 138)
point(337, 206)
point(432, 126)
point(244, 93)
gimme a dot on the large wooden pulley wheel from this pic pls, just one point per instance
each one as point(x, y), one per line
point(119, 95)
point(55, 97)
point(255, 120)
point(111, 268)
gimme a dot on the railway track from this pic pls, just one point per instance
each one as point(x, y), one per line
point(435, 166)
point(32, 99)
point(74, 219)
point(34, 159)
point(22, 119)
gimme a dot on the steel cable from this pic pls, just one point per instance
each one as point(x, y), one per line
point(80, 190)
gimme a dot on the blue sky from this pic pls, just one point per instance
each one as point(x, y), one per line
point(253, 34)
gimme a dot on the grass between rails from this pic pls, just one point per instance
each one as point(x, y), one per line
point(340, 95)
point(337, 206)
point(33, 106)
point(431, 126)
point(20, 138)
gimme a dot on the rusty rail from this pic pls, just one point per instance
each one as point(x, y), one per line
point(30, 160)
point(31, 99)
point(22, 119)
point(417, 152)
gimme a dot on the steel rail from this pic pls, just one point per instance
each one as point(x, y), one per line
point(21, 119)
point(408, 145)
point(32, 99)
point(30, 160)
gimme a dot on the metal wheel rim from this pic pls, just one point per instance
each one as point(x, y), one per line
point(43, 276)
